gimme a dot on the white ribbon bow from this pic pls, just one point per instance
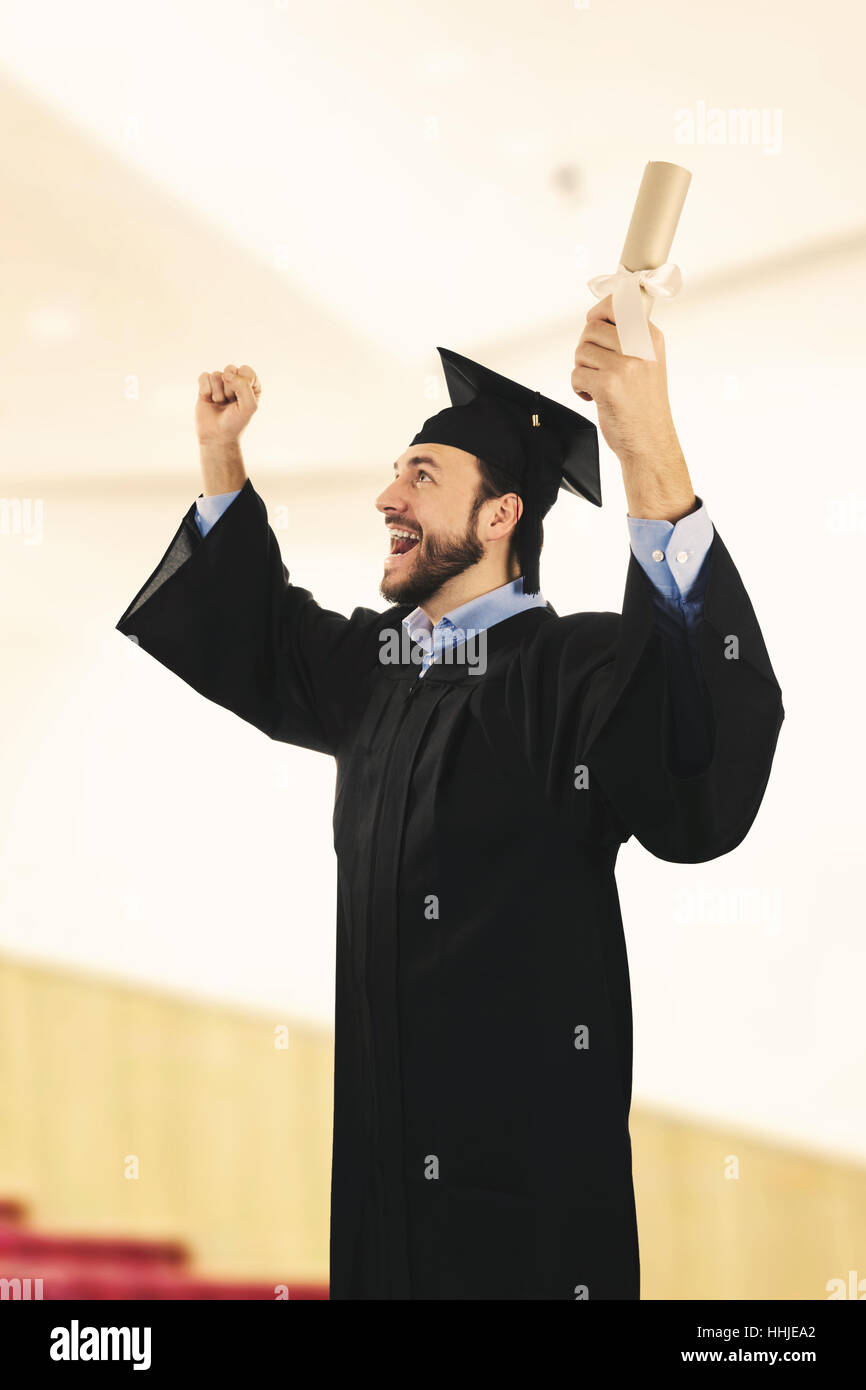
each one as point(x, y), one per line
point(631, 324)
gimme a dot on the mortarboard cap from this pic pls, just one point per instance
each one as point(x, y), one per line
point(539, 443)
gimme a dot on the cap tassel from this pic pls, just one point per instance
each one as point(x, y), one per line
point(530, 522)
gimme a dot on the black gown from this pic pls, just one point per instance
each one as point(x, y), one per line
point(483, 1039)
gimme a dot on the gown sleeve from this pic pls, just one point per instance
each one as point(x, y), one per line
point(676, 751)
point(220, 612)
point(684, 812)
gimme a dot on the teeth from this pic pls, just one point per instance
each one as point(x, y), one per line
point(403, 535)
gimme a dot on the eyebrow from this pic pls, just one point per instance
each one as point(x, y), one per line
point(419, 458)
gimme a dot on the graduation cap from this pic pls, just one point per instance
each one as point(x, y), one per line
point(537, 442)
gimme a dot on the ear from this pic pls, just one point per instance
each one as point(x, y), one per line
point(505, 514)
point(512, 507)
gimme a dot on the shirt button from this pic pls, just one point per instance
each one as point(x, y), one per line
point(682, 556)
point(658, 555)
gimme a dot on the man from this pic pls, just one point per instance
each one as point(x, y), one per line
point(488, 771)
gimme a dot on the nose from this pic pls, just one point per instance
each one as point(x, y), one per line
point(391, 500)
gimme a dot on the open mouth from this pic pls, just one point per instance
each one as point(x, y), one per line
point(401, 543)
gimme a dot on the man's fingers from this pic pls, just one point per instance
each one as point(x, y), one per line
point(602, 333)
point(249, 375)
point(583, 381)
point(232, 384)
point(229, 381)
point(247, 396)
point(242, 384)
point(591, 355)
point(602, 310)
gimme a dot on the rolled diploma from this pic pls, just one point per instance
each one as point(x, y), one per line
point(644, 271)
point(654, 220)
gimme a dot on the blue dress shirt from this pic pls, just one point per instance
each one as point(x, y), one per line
point(671, 554)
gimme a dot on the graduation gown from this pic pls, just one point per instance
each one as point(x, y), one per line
point(483, 1028)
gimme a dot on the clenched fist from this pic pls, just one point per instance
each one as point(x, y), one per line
point(227, 401)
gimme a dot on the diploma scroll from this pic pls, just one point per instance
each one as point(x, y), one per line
point(644, 272)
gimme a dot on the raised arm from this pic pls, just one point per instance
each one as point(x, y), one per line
point(220, 611)
point(658, 724)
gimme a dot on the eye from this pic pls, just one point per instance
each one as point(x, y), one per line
point(422, 474)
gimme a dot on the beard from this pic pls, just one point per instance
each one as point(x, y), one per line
point(434, 562)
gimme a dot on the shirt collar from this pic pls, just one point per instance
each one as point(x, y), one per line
point(479, 613)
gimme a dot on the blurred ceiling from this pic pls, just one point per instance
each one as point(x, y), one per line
point(330, 191)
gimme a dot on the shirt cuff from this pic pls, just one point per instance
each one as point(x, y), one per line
point(208, 510)
point(671, 554)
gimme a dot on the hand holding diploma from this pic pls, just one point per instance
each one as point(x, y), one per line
point(631, 391)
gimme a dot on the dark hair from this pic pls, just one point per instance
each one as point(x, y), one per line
point(496, 483)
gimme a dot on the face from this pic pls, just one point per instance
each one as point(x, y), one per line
point(428, 512)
